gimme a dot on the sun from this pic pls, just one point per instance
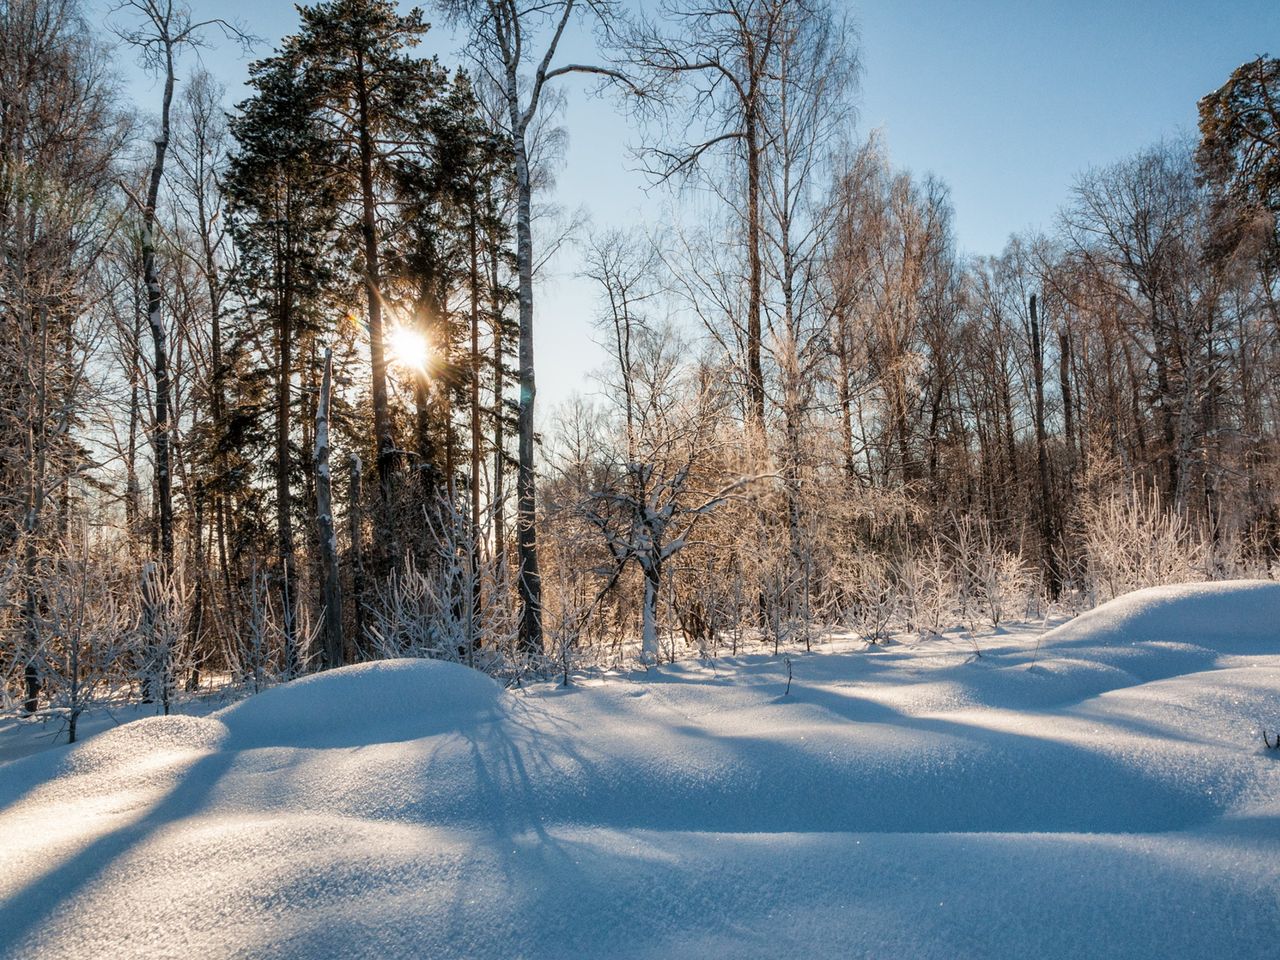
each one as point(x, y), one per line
point(408, 348)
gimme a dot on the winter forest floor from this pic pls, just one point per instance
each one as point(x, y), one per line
point(1101, 789)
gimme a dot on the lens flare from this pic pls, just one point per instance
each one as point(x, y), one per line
point(408, 348)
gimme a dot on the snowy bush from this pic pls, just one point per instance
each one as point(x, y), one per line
point(253, 651)
point(163, 644)
point(455, 604)
point(926, 581)
point(875, 597)
point(415, 615)
point(992, 583)
point(1131, 541)
point(84, 624)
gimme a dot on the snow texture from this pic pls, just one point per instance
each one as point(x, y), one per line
point(1099, 790)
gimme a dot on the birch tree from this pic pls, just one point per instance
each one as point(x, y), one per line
point(651, 498)
point(331, 595)
point(516, 46)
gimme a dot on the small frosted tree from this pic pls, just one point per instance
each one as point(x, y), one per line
point(84, 628)
point(163, 642)
point(654, 491)
point(927, 583)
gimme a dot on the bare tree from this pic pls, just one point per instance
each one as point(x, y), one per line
point(508, 37)
point(715, 75)
point(160, 30)
point(59, 138)
point(649, 501)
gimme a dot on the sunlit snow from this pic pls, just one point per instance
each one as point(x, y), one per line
point(1098, 790)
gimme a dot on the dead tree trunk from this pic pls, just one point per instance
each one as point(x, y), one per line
point(331, 590)
point(1042, 453)
point(355, 527)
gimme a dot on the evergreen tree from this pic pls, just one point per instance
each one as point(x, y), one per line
point(284, 213)
point(373, 99)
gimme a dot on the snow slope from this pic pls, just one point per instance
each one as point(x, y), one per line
point(1100, 790)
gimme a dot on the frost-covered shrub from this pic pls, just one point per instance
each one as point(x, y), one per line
point(83, 630)
point(255, 653)
point(1008, 588)
point(1131, 541)
point(417, 614)
point(993, 583)
point(457, 604)
point(874, 597)
point(163, 643)
point(927, 586)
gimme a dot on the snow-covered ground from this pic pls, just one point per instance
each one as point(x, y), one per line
point(1100, 790)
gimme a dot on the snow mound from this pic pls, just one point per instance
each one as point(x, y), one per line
point(142, 754)
point(1228, 616)
point(148, 737)
point(399, 699)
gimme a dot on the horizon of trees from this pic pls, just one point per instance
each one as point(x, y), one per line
point(269, 376)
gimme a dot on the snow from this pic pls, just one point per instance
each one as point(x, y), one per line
point(1225, 615)
point(1100, 789)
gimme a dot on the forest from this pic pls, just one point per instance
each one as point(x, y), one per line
point(268, 378)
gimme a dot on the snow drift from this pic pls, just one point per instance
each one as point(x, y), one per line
point(385, 699)
point(1102, 792)
point(1227, 616)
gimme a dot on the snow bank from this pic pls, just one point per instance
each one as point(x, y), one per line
point(1228, 616)
point(1103, 794)
point(399, 699)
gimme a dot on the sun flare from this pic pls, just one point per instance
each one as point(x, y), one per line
point(408, 348)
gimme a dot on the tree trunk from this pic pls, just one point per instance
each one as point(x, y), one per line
point(384, 441)
point(1168, 430)
point(284, 495)
point(649, 625)
point(475, 422)
point(846, 400)
point(331, 590)
point(529, 581)
point(356, 536)
point(160, 369)
point(1068, 407)
point(755, 370)
point(1042, 454)
point(499, 424)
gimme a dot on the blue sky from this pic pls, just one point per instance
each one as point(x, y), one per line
point(1006, 101)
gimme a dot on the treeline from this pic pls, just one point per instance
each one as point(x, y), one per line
point(269, 376)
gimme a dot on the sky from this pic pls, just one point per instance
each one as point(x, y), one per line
point(1006, 101)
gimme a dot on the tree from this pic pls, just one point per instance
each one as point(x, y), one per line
point(163, 29)
point(503, 42)
point(284, 210)
point(1240, 135)
point(372, 98)
point(813, 72)
point(326, 533)
point(60, 137)
point(651, 498)
point(716, 78)
point(1137, 220)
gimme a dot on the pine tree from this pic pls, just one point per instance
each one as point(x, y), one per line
point(372, 98)
point(284, 213)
